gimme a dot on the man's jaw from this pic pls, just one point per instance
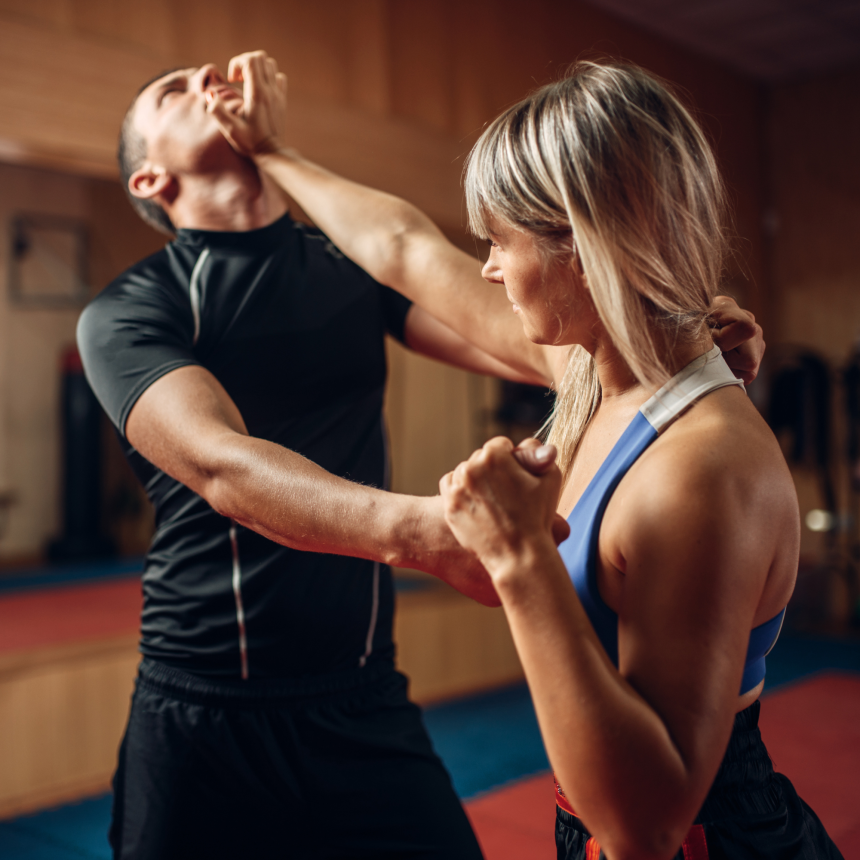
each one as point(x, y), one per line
point(231, 97)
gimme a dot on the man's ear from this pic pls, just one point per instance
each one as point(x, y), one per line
point(149, 181)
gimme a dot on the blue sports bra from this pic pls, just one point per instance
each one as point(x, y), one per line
point(579, 552)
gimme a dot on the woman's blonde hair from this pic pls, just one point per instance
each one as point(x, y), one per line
point(606, 167)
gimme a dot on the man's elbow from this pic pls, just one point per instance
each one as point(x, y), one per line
point(222, 481)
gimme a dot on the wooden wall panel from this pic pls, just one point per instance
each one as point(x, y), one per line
point(63, 711)
point(814, 140)
point(31, 341)
point(814, 129)
point(450, 646)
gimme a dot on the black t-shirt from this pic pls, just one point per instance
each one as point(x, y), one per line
point(295, 333)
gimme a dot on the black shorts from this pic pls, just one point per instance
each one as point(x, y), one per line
point(750, 811)
point(339, 767)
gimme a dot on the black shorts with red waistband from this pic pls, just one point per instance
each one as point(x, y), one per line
point(337, 766)
point(750, 812)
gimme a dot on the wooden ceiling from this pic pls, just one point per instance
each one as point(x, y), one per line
point(770, 40)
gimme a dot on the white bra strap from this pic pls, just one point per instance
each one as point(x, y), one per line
point(705, 374)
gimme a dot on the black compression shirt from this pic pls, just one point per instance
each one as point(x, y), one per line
point(295, 333)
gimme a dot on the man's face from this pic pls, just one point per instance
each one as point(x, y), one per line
point(171, 116)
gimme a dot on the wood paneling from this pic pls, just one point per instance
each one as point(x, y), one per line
point(72, 66)
point(815, 138)
point(450, 646)
point(814, 129)
point(62, 710)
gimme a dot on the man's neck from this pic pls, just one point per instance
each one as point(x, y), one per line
point(234, 201)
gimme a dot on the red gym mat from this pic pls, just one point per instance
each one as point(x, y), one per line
point(811, 729)
point(812, 732)
point(516, 822)
point(69, 613)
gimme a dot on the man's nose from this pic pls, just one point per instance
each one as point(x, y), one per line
point(208, 76)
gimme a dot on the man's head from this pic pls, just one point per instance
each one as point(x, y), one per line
point(167, 133)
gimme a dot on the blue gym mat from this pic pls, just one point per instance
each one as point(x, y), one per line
point(28, 579)
point(485, 741)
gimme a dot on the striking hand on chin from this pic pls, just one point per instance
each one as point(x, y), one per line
point(257, 128)
point(500, 511)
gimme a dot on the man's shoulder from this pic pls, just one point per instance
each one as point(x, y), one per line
point(163, 272)
point(152, 289)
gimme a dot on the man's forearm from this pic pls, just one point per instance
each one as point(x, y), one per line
point(292, 501)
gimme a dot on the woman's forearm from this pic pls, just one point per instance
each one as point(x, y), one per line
point(611, 752)
point(369, 226)
point(402, 248)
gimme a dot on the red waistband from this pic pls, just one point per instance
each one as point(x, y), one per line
point(560, 798)
point(694, 846)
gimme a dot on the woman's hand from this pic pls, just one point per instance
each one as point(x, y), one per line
point(500, 511)
point(256, 125)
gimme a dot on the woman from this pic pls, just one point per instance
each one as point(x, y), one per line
point(604, 209)
point(603, 206)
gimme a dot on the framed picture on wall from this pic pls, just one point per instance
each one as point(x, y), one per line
point(47, 261)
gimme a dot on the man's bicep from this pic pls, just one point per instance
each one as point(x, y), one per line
point(180, 422)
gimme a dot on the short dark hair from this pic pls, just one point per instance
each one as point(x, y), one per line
point(131, 153)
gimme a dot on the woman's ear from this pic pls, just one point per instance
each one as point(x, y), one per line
point(149, 181)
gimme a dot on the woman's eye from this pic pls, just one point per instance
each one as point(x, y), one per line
point(491, 243)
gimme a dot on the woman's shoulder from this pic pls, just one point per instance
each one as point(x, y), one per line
point(718, 466)
point(714, 489)
point(723, 442)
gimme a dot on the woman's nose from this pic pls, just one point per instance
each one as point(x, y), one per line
point(491, 272)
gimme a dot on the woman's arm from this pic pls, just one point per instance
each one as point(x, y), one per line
point(635, 748)
point(391, 239)
point(427, 336)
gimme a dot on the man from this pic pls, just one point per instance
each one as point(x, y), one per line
point(243, 367)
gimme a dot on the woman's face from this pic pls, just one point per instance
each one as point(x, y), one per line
point(551, 300)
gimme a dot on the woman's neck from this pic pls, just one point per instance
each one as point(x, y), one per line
point(617, 380)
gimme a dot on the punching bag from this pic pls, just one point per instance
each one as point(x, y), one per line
point(82, 537)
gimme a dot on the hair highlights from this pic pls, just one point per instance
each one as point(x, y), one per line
point(608, 165)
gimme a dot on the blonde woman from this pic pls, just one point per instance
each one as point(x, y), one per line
point(644, 635)
point(643, 638)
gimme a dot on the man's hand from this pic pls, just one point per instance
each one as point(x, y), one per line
point(443, 556)
point(737, 334)
point(257, 126)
